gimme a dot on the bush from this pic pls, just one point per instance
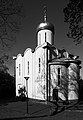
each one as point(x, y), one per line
point(22, 93)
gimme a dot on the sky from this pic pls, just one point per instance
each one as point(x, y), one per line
point(26, 38)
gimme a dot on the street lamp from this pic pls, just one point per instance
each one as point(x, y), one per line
point(27, 91)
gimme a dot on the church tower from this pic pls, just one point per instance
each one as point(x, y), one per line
point(45, 31)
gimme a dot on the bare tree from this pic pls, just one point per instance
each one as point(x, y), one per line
point(11, 13)
point(73, 16)
point(3, 61)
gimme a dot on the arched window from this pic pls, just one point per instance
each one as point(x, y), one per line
point(28, 67)
point(59, 82)
point(19, 69)
point(45, 36)
point(39, 65)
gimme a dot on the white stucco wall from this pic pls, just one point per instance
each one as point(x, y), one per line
point(40, 77)
point(19, 81)
point(41, 39)
point(28, 69)
point(73, 84)
point(23, 79)
point(62, 88)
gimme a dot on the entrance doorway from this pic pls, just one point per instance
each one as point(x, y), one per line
point(55, 94)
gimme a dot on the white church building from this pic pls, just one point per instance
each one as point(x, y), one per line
point(48, 68)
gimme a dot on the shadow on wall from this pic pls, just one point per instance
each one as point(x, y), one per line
point(81, 90)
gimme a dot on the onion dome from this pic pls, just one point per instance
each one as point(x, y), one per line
point(45, 25)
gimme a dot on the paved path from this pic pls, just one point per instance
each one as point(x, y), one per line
point(37, 111)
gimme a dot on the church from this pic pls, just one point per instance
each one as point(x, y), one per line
point(47, 69)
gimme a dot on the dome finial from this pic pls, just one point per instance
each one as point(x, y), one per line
point(45, 13)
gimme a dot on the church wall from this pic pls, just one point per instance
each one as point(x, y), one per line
point(73, 81)
point(40, 73)
point(33, 77)
point(58, 80)
point(28, 70)
point(23, 79)
point(19, 74)
point(53, 80)
point(45, 36)
point(63, 87)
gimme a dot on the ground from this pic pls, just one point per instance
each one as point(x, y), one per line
point(17, 110)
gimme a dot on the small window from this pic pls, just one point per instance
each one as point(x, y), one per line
point(19, 69)
point(58, 76)
point(45, 36)
point(28, 67)
point(39, 65)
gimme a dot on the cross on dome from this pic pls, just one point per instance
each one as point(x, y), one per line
point(45, 13)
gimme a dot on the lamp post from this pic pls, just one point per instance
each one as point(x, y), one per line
point(27, 91)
